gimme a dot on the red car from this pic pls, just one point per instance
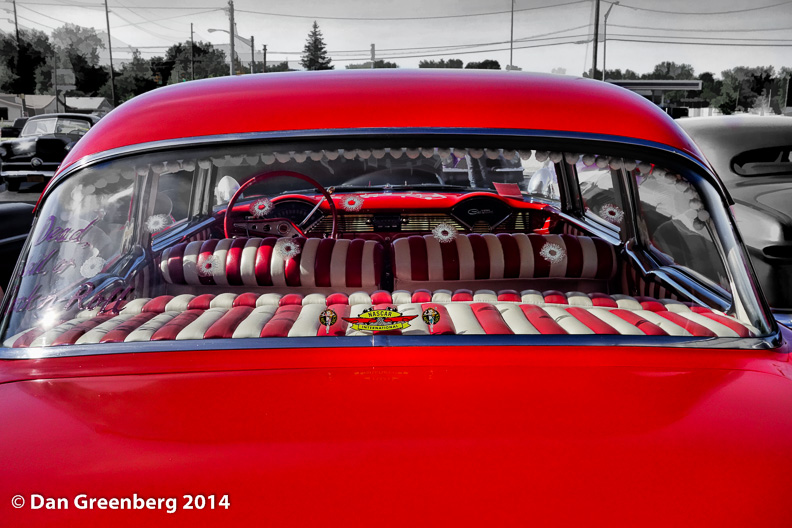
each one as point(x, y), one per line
point(390, 298)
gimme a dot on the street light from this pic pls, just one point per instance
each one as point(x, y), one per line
point(605, 39)
point(250, 43)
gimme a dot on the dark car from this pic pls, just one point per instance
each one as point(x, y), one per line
point(43, 143)
point(753, 156)
point(15, 129)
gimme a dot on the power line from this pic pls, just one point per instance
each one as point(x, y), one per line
point(171, 18)
point(688, 13)
point(735, 39)
point(700, 30)
point(705, 43)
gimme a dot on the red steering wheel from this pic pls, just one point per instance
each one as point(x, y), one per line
point(227, 221)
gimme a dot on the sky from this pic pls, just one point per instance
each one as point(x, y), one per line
point(711, 35)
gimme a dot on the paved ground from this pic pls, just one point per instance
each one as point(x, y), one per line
point(29, 192)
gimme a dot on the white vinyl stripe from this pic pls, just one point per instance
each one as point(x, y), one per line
point(247, 264)
point(164, 266)
point(360, 298)
point(315, 298)
point(277, 269)
point(179, 303)
point(268, 299)
point(135, 306)
point(147, 329)
point(251, 326)
point(368, 275)
point(400, 297)
point(402, 266)
point(579, 299)
point(338, 265)
point(308, 262)
point(669, 327)
point(97, 333)
point(464, 320)
point(589, 269)
point(467, 261)
point(220, 253)
point(674, 306)
point(719, 329)
point(514, 317)
point(434, 258)
point(495, 249)
point(441, 296)
point(198, 328)
point(532, 297)
point(50, 335)
point(626, 302)
point(307, 323)
point(526, 255)
point(190, 262)
point(224, 300)
point(567, 321)
point(558, 269)
point(417, 325)
point(486, 296)
point(619, 324)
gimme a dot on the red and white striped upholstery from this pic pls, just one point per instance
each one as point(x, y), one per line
point(474, 258)
point(462, 312)
point(252, 262)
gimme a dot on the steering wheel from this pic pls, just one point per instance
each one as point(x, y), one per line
point(229, 227)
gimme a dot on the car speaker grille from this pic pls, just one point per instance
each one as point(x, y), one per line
point(519, 222)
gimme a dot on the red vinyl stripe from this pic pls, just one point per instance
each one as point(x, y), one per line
point(694, 328)
point(381, 297)
point(574, 253)
point(120, 332)
point(354, 263)
point(450, 254)
point(509, 296)
point(340, 326)
point(291, 299)
point(207, 251)
point(462, 295)
point(647, 327)
point(378, 263)
point(597, 325)
point(421, 296)
point(541, 264)
point(541, 320)
point(480, 256)
point(605, 258)
point(246, 299)
point(419, 263)
point(445, 326)
point(71, 336)
point(337, 298)
point(322, 263)
point(652, 305)
point(555, 297)
point(176, 264)
point(25, 339)
point(602, 299)
point(201, 302)
point(264, 261)
point(171, 329)
point(282, 321)
point(725, 321)
point(490, 319)
point(511, 256)
point(224, 327)
point(234, 261)
point(157, 304)
point(292, 266)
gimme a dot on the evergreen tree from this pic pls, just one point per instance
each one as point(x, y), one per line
point(315, 53)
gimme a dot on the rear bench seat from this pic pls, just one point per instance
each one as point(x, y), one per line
point(462, 312)
point(474, 261)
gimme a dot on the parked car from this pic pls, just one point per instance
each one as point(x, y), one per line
point(15, 128)
point(390, 298)
point(42, 144)
point(753, 157)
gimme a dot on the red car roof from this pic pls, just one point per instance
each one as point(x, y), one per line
point(296, 101)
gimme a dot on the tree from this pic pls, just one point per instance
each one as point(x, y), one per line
point(280, 67)
point(487, 64)
point(175, 66)
point(314, 55)
point(743, 87)
point(135, 78)
point(78, 49)
point(367, 65)
point(34, 52)
point(670, 71)
point(442, 63)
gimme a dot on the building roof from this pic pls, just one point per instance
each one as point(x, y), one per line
point(86, 103)
point(361, 99)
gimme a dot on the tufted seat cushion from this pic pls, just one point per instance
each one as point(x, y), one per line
point(462, 312)
point(474, 257)
point(321, 263)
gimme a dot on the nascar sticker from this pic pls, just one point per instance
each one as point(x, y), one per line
point(327, 319)
point(380, 320)
point(431, 317)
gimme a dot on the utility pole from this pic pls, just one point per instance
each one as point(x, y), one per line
point(373, 56)
point(265, 58)
point(192, 53)
point(55, 76)
point(231, 21)
point(16, 23)
point(110, 49)
point(596, 37)
point(605, 39)
point(16, 66)
point(511, 39)
point(252, 56)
